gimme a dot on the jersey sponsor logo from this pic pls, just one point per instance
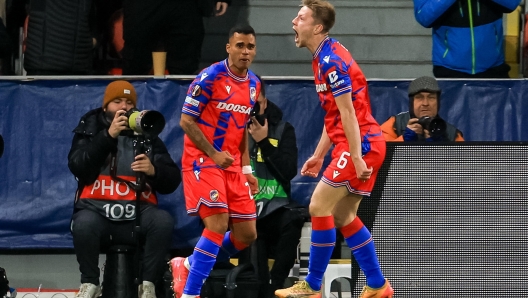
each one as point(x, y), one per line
point(213, 195)
point(320, 87)
point(192, 101)
point(204, 75)
point(337, 84)
point(233, 107)
point(332, 76)
point(228, 89)
point(196, 91)
point(326, 59)
point(336, 173)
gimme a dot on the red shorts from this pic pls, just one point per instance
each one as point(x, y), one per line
point(217, 191)
point(341, 170)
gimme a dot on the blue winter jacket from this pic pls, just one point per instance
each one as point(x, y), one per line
point(467, 34)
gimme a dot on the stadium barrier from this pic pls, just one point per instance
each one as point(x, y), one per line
point(38, 116)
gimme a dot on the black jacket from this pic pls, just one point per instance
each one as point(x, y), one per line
point(281, 161)
point(59, 39)
point(92, 146)
point(5, 42)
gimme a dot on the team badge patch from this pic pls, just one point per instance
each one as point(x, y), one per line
point(196, 91)
point(213, 195)
point(252, 93)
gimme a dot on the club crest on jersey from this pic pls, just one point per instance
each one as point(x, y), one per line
point(196, 91)
point(213, 195)
point(252, 93)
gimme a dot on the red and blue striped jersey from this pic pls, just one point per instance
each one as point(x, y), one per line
point(222, 102)
point(337, 73)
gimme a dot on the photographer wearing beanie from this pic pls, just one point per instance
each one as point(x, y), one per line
point(101, 157)
point(421, 122)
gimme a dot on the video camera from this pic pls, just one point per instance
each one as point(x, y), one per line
point(146, 122)
point(436, 126)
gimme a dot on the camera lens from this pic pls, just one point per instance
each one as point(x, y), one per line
point(149, 123)
point(424, 122)
point(437, 127)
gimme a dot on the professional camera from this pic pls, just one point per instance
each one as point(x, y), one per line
point(255, 113)
point(148, 123)
point(436, 126)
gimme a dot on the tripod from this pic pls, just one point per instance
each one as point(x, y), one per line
point(141, 146)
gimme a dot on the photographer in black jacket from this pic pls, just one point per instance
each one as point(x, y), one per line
point(101, 158)
point(273, 153)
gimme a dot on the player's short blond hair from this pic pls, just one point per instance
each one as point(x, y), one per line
point(323, 13)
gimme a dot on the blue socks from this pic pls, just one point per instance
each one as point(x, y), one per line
point(323, 242)
point(359, 239)
point(203, 260)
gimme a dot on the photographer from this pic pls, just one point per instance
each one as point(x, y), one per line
point(102, 157)
point(273, 152)
point(421, 122)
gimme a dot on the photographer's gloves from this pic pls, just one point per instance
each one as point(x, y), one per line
point(409, 135)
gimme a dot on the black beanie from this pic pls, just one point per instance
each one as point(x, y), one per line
point(422, 84)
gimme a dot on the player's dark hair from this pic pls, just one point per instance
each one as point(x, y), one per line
point(262, 86)
point(323, 12)
point(242, 29)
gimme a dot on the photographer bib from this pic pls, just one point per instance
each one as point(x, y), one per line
point(115, 199)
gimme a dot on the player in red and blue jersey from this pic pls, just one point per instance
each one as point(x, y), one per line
point(356, 158)
point(218, 183)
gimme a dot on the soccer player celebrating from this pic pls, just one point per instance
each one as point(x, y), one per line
point(217, 177)
point(357, 156)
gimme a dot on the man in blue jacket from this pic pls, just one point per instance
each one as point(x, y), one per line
point(467, 36)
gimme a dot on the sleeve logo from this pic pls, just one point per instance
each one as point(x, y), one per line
point(192, 101)
point(196, 91)
point(332, 76)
